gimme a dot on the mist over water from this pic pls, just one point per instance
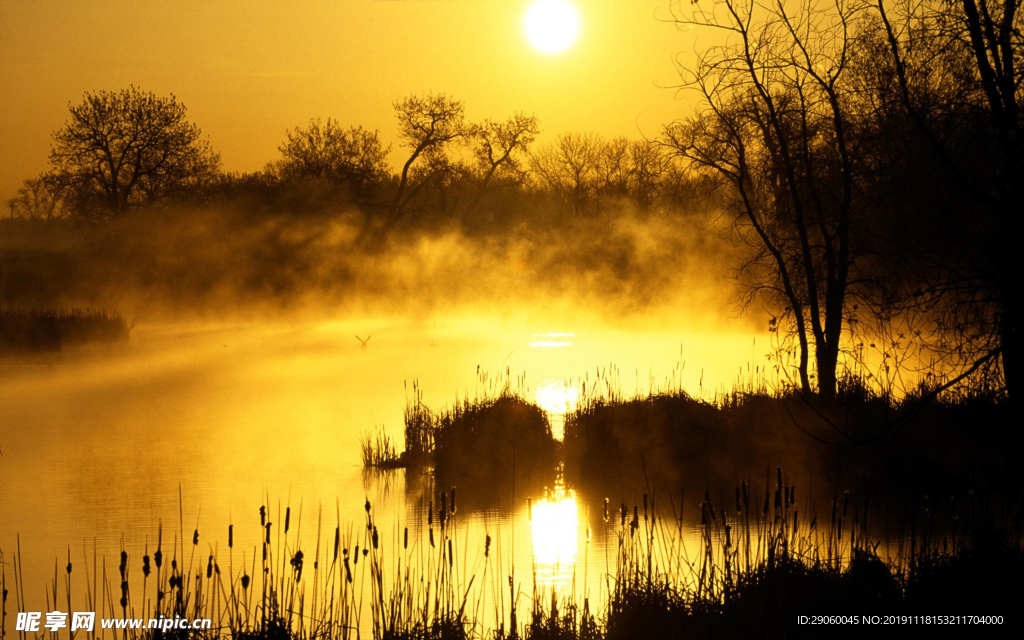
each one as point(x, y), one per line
point(99, 445)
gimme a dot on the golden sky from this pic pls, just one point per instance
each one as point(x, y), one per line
point(250, 69)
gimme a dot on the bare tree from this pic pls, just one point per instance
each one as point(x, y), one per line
point(499, 149)
point(427, 126)
point(570, 168)
point(352, 157)
point(773, 125)
point(649, 173)
point(955, 70)
point(40, 198)
point(129, 148)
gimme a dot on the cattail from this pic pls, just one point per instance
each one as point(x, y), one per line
point(645, 506)
point(337, 541)
point(287, 519)
point(375, 538)
point(746, 490)
point(158, 558)
point(606, 509)
point(449, 552)
point(245, 581)
point(367, 505)
point(778, 478)
point(348, 571)
point(405, 538)
point(195, 538)
point(296, 563)
point(728, 537)
point(764, 511)
point(268, 532)
point(431, 537)
point(145, 565)
point(487, 546)
point(430, 514)
point(231, 535)
point(623, 511)
point(355, 555)
point(453, 499)
point(209, 568)
point(263, 516)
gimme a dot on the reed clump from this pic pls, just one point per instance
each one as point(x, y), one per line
point(874, 441)
point(33, 330)
point(379, 452)
point(483, 438)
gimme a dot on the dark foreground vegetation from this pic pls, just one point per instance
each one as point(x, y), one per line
point(871, 441)
point(34, 331)
point(481, 440)
point(932, 524)
point(758, 562)
point(875, 443)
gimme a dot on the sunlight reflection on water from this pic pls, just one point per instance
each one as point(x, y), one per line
point(552, 340)
point(554, 529)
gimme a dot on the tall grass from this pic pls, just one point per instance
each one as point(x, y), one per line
point(760, 558)
point(379, 451)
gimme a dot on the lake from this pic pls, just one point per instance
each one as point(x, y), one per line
point(196, 426)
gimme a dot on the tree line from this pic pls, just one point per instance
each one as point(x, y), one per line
point(132, 149)
point(865, 155)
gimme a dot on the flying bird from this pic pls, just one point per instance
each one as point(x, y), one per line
point(363, 342)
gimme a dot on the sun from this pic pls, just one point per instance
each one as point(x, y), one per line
point(551, 26)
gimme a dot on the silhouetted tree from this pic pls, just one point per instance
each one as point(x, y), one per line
point(569, 168)
point(773, 126)
point(128, 148)
point(40, 198)
point(953, 70)
point(353, 157)
point(499, 149)
point(426, 125)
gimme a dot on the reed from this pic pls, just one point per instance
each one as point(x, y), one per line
point(30, 330)
point(379, 451)
point(759, 561)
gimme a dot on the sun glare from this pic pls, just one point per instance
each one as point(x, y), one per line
point(554, 527)
point(551, 25)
